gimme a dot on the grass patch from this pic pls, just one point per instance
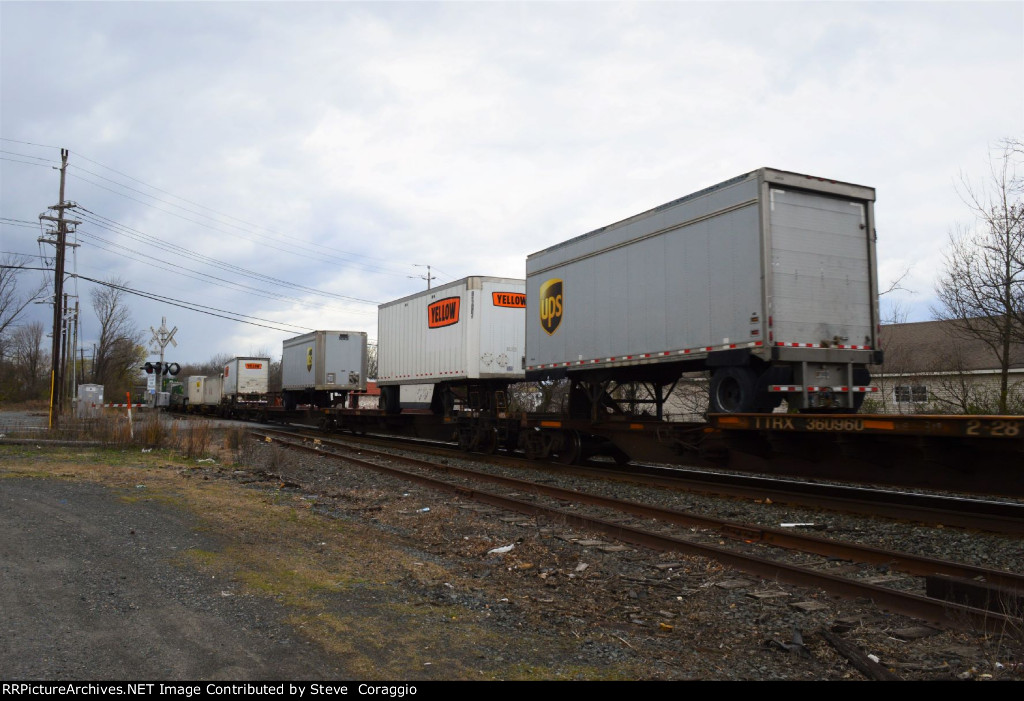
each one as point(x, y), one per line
point(351, 589)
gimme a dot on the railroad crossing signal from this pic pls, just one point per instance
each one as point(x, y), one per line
point(161, 337)
point(162, 368)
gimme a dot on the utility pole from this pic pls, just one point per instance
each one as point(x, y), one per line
point(69, 359)
point(60, 242)
point(428, 277)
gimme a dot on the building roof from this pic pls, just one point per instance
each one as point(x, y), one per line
point(938, 346)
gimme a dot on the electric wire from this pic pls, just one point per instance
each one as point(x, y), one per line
point(195, 307)
point(120, 250)
point(196, 204)
point(313, 253)
point(142, 237)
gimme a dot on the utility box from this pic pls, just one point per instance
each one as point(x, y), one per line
point(470, 329)
point(246, 376)
point(90, 401)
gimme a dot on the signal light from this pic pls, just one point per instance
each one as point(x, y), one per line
point(167, 368)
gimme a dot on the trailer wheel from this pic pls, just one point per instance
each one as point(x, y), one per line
point(733, 390)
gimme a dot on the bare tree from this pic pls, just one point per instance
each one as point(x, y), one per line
point(12, 301)
point(30, 358)
point(371, 361)
point(119, 352)
point(982, 287)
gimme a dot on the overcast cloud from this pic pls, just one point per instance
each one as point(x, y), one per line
point(337, 145)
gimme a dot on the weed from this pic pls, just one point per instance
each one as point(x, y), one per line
point(193, 440)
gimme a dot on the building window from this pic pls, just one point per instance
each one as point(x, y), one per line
point(911, 393)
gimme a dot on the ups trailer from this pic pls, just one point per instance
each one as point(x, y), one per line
point(768, 281)
point(463, 337)
point(194, 390)
point(320, 368)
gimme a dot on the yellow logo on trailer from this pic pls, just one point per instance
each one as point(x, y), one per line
point(551, 305)
point(309, 359)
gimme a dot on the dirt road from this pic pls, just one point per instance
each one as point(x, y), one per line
point(92, 587)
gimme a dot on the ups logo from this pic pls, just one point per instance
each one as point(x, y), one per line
point(551, 305)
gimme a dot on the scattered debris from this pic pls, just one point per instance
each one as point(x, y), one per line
point(502, 550)
point(914, 632)
point(733, 583)
point(868, 665)
point(796, 646)
point(768, 594)
point(808, 606)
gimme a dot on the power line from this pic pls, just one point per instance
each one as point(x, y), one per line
point(195, 307)
point(27, 143)
point(143, 237)
point(28, 163)
point(202, 277)
point(197, 204)
point(49, 161)
point(317, 252)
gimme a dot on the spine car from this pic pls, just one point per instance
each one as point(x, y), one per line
point(767, 280)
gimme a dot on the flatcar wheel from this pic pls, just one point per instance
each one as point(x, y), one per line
point(570, 452)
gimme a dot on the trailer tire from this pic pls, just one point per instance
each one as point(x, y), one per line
point(733, 390)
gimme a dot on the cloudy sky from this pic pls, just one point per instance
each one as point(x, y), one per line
point(300, 163)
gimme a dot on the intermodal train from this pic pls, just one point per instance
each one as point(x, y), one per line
point(766, 282)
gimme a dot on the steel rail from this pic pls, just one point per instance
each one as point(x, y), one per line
point(970, 513)
point(938, 612)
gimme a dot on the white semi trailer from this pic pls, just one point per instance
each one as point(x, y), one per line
point(767, 280)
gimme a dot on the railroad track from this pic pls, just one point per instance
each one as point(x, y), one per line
point(773, 554)
point(934, 509)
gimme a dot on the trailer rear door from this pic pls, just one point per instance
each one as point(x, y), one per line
point(820, 269)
